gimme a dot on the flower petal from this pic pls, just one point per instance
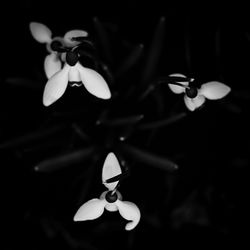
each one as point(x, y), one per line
point(56, 86)
point(90, 210)
point(94, 82)
point(63, 56)
point(40, 32)
point(111, 168)
point(175, 88)
point(189, 103)
point(74, 75)
point(74, 33)
point(129, 211)
point(52, 65)
point(198, 100)
point(214, 90)
point(194, 103)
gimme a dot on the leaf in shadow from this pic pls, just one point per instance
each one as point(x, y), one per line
point(32, 137)
point(130, 60)
point(64, 160)
point(148, 158)
point(163, 122)
point(154, 51)
point(103, 39)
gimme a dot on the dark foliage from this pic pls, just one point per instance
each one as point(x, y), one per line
point(187, 170)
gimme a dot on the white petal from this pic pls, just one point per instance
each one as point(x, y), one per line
point(194, 103)
point(74, 33)
point(111, 207)
point(56, 86)
point(175, 88)
point(198, 100)
point(111, 168)
point(63, 56)
point(40, 32)
point(52, 65)
point(90, 210)
point(214, 90)
point(129, 211)
point(94, 82)
point(74, 75)
point(189, 103)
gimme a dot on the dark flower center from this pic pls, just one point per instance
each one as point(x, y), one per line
point(111, 197)
point(56, 45)
point(71, 58)
point(191, 92)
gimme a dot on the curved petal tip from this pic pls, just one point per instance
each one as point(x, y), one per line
point(129, 211)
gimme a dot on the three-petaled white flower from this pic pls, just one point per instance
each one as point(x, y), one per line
point(53, 61)
point(110, 200)
point(195, 97)
point(73, 71)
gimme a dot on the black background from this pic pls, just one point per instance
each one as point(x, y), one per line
point(201, 204)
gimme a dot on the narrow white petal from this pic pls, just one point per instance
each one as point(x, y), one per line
point(74, 75)
point(178, 89)
point(94, 82)
point(129, 211)
point(189, 103)
point(52, 65)
point(40, 32)
point(90, 210)
point(63, 56)
point(198, 101)
point(111, 168)
point(214, 90)
point(74, 33)
point(56, 86)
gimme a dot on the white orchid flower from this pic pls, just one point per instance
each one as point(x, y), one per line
point(195, 97)
point(53, 61)
point(110, 200)
point(73, 71)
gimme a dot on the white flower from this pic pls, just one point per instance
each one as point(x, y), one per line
point(53, 61)
point(73, 71)
point(194, 97)
point(110, 200)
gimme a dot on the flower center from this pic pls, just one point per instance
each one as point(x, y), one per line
point(111, 197)
point(71, 58)
point(56, 45)
point(191, 92)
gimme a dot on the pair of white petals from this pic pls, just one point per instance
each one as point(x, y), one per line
point(94, 208)
point(53, 61)
point(211, 90)
point(92, 81)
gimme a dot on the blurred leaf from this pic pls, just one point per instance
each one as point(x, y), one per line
point(154, 51)
point(148, 158)
point(24, 82)
point(162, 122)
point(64, 160)
point(131, 60)
point(122, 121)
point(103, 39)
point(33, 136)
